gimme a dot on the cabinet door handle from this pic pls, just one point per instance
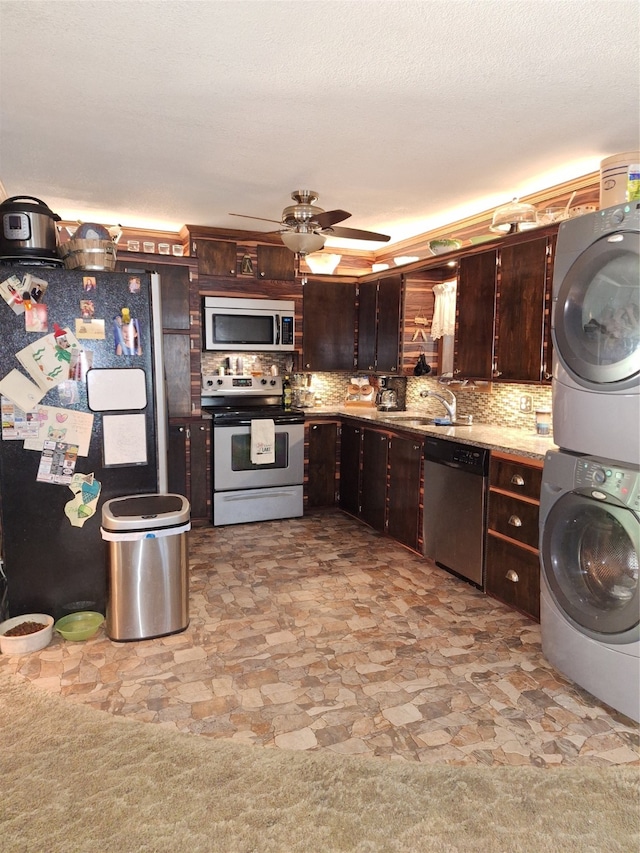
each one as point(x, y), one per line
point(512, 576)
point(315, 426)
point(517, 480)
point(514, 521)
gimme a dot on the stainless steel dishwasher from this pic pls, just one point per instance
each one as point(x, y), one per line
point(455, 500)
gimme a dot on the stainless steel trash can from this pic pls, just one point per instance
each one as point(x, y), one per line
point(148, 565)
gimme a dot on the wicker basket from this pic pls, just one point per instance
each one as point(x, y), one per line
point(80, 254)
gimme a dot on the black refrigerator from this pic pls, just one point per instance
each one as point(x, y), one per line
point(84, 420)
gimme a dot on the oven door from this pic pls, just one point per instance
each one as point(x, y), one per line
point(233, 468)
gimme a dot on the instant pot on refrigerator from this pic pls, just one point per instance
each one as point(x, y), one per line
point(28, 230)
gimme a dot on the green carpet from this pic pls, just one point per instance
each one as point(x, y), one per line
point(76, 780)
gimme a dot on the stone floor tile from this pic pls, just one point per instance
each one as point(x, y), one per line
point(319, 633)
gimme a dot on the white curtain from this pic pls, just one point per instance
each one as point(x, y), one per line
point(444, 310)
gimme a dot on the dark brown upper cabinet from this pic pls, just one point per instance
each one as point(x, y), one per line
point(520, 312)
point(328, 336)
point(503, 313)
point(379, 325)
point(217, 257)
point(276, 262)
point(475, 308)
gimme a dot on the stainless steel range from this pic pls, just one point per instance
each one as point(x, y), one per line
point(245, 490)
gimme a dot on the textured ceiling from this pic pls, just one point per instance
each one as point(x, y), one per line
point(407, 114)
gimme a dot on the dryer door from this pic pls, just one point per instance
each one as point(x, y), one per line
point(596, 318)
point(590, 560)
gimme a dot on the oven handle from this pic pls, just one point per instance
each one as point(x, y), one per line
point(269, 493)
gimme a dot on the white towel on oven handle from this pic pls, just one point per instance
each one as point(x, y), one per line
point(263, 442)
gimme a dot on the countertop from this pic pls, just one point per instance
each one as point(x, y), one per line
point(522, 442)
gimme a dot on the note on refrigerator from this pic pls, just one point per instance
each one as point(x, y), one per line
point(66, 425)
point(21, 390)
point(48, 360)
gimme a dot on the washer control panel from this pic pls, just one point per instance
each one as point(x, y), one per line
point(603, 480)
point(621, 217)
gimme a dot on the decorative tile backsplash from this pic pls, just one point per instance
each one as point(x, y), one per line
point(499, 406)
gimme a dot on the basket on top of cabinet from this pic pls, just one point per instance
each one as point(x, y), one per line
point(513, 567)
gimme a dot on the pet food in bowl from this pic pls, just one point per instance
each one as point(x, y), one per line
point(79, 626)
point(27, 633)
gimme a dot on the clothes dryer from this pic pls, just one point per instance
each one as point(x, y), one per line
point(595, 326)
point(589, 590)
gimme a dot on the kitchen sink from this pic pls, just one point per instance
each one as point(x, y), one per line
point(414, 421)
point(418, 422)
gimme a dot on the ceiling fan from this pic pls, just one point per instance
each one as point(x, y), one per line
point(305, 227)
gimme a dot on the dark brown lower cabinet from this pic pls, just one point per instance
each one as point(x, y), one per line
point(373, 498)
point(513, 575)
point(405, 476)
point(350, 444)
point(321, 472)
point(512, 559)
point(189, 466)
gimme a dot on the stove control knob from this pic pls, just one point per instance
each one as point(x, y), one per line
point(263, 381)
point(272, 382)
point(209, 383)
point(220, 382)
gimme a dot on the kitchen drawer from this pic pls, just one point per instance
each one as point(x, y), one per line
point(514, 518)
point(513, 476)
point(513, 575)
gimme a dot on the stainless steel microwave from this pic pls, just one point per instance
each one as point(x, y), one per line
point(257, 325)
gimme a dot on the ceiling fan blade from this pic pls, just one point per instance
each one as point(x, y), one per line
point(356, 234)
point(330, 217)
point(261, 218)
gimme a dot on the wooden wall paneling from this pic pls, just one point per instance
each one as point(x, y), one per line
point(418, 302)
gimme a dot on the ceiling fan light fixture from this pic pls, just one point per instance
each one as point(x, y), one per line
point(302, 242)
point(319, 262)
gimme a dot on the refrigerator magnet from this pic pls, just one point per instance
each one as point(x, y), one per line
point(35, 318)
point(90, 329)
point(86, 490)
point(11, 290)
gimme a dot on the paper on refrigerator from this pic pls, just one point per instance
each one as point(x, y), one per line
point(65, 425)
point(48, 360)
point(21, 391)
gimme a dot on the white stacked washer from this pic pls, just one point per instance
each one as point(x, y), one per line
point(590, 500)
point(595, 323)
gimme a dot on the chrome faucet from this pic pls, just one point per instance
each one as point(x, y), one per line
point(449, 406)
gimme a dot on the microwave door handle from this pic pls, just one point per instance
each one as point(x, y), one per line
point(277, 330)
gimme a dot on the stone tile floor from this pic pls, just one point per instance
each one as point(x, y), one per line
point(318, 633)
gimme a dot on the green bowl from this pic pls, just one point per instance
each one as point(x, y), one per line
point(439, 247)
point(80, 625)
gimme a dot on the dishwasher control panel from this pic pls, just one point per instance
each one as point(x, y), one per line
point(465, 456)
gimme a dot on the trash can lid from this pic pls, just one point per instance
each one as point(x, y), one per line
point(145, 512)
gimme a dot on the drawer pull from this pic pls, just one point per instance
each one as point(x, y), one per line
point(514, 521)
point(517, 480)
point(512, 576)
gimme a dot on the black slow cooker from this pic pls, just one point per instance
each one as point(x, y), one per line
point(28, 231)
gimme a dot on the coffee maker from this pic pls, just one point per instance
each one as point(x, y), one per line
point(391, 393)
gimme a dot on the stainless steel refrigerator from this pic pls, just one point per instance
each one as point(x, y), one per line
point(92, 342)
